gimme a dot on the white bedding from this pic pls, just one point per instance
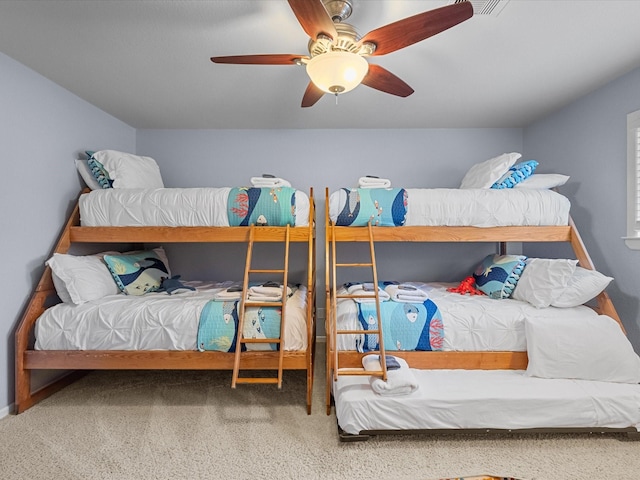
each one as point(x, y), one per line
point(471, 322)
point(496, 399)
point(478, 207)
point(154, 321)
point(167, 207)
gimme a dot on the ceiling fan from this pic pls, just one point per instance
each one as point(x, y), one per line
point(337, 55)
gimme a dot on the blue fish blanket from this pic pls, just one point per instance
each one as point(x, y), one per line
point(405, 326)
point(261, 206)
point(385, 207)
point(219, 323)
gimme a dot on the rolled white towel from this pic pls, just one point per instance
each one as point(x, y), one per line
point(367, 289)
point(269, 182)
point(406, 293)
point(374, 182)
point(400, 381)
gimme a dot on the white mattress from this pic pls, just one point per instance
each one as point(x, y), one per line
point(478, 207)
point(471, 322)
point(486, 399)
point(166, 207)
point(154, 321)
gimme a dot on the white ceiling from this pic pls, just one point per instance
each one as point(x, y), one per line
point(147, 63)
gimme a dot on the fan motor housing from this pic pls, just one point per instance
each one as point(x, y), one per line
point(338, 10)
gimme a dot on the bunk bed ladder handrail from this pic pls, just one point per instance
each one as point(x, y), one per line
point(334, 303)
point(245, 303)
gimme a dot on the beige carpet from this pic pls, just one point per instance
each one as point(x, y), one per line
point(192, 425)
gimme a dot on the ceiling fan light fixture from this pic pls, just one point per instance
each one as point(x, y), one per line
point(337, 72)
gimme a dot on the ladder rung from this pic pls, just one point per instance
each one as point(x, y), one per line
point(358, 371)
point(260, 340)
point(249, 303)
point(354, 264)
point(256, 380)
point(356, 332)
point(356, 295)
point(351, 370)
point(262, 270)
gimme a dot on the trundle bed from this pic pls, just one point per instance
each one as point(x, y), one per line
point(160, 330)
point(512, 363)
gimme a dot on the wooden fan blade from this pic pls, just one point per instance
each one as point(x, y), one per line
point(311, 95)
point(313, 18)
point(267, 59)
point(414, 29)
point(385, 81)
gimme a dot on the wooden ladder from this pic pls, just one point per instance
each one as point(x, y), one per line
point(245, 304)
point(334, 304)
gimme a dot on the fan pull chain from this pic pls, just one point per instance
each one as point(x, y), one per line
point(336, 99)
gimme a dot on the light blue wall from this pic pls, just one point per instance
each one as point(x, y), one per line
point(587, 140)
point(42, 129)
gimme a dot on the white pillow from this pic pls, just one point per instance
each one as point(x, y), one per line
point(485, 174)
point(81, 278)
point(594, 348)
point(130, 171)
point(583, 285)
point(85, 172)
point(543, 280)
point(543, 181)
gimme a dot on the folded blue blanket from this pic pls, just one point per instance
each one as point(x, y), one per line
point(405, 326)
point(385, 207)
point(261, 206)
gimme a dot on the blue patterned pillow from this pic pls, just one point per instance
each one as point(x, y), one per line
point(140, 272)
point(516, 174)
point(498, 275)
point(99, 172)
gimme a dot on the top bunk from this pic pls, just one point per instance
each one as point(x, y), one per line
point(127, 202)
point(176, 221)
point(498, 200)
point(454, 215)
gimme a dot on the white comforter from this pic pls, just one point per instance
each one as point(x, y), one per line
point(154, 321)
point(471, 322)
point(478, 207)
point(166, 207)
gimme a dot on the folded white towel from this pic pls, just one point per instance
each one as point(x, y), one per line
point(367, 289)
point(260, 293)
point(234, 292)
point(400, 381)
point(406, 293)
point(269, 182)
point(373, 182)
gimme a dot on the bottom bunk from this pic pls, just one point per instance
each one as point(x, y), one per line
point(191, 329)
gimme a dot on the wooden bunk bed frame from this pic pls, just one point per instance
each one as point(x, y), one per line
point(79, 361)
point(482, 360)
